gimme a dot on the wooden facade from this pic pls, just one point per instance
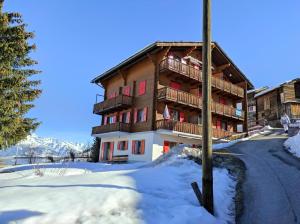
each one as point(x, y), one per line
point(252, 115)
point(137, 91)
point(272, 103)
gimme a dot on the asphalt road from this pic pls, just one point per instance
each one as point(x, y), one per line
point(272, 186)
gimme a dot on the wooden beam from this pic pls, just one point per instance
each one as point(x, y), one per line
point(222, 67)
point(189, 51)
point(124, 76)
point(152, 58)
point(166, 52)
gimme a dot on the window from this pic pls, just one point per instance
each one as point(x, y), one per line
point(142, 87)
point(126, 90)
point(122, 145)
point(110, 119)
point(174, 114)
point(297, 90)
point(252, 108)
point(112, 95)
point(138, 147)
point(140, 115)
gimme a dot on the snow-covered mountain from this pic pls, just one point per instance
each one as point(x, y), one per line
point(43, 147)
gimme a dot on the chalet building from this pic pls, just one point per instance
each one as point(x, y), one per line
point(273, 102)
point(152, 100)
point(252, 115)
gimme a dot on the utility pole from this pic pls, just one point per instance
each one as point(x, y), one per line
point(207, 175)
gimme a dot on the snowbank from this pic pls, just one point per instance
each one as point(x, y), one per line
point(103, 193)
point(293, 144)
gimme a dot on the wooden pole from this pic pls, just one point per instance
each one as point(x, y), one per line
point(207, 175)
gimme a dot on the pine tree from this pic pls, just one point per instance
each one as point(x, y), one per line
point(17, 88)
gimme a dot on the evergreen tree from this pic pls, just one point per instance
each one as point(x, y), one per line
point(17, 88)
point(95, 150)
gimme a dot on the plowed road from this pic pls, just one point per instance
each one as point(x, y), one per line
point(272, 186)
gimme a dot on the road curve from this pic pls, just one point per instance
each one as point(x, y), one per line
point(272, 185)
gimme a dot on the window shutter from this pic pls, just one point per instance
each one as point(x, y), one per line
point(105, 119)
point(135, 115)
point(143, 147)
point(126, 145)
point(115, 118)
point(102, 152)
point(181, 116)
point(142, 87)
point(119, 145)
point(128, 117)
point(175, 85)
point(120, 116)
point(145, 114)
point(111, 150)
point(126, 91)
point(133, 147)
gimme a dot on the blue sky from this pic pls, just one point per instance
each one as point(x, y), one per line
point(77, 40)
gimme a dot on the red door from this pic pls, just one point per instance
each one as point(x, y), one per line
point(166, 146)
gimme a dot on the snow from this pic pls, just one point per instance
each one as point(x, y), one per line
point(157, 192)
point(293, 145)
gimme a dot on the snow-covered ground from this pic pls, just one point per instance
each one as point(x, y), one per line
point(293, 145)
point(82, 192)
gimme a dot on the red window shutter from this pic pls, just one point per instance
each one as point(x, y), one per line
point(115, 118)
point(102, 152)
point(199, 93)
point(145, 114)
point(126, 145)
point(120, 116)
point(223, 101)
point(135, 115)
point(112, 95)
point(181, 116)
point(128, 117)
point(111, 150)
point(105, 119)
point(126, 90)
point(119, 145)
point(175, 85)
point(143, 147)
point(133, 147)
point(166, 146)
point(142, 87)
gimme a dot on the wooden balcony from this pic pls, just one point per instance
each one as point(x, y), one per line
point(110, 105)
point(111, 128)
point(189, 128)
point(192, 73)
point(190, 100)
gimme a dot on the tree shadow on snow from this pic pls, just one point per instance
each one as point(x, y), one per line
point(8, 216)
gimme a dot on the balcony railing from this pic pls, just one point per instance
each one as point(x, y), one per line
point(196, 74)
point(189, 128)
point(124, 127)
point(109, 105)
point(188, 99)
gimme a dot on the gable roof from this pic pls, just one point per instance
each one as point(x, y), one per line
point(157, 46)
point(276, 87)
